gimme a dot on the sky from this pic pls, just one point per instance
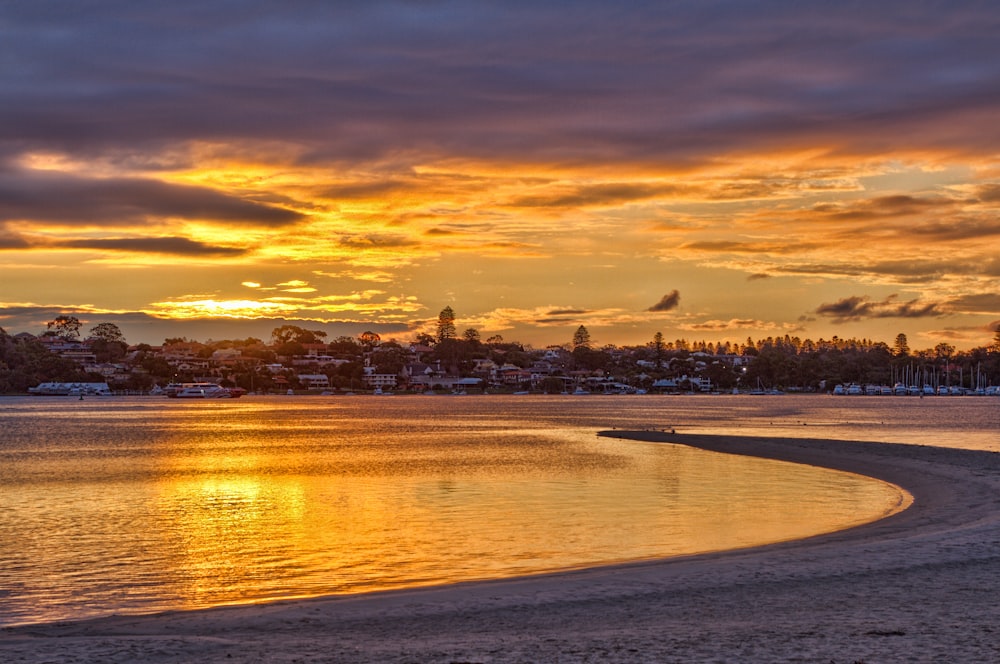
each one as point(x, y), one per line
point(711, 170)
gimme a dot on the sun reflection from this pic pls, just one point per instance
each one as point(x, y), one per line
point(256, 500)
point(223, 531)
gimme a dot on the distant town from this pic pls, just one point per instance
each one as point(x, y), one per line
point(298, 360)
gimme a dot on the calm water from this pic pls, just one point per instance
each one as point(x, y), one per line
point(143, 504)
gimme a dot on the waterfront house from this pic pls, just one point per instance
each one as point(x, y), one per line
point(314, 381)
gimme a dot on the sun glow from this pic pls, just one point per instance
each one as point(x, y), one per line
point(221, 308)
point(647, 170)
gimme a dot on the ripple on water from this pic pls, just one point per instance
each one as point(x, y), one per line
point(138, 505)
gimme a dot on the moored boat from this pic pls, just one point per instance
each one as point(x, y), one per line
point(202, 391)
point(55, 389)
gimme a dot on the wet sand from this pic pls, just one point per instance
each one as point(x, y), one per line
point(922, 585)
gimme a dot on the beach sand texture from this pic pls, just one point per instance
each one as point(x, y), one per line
point(920, 586)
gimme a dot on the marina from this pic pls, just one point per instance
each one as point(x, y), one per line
point(901, 390)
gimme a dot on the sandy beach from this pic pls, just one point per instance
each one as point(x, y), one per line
point(920, 586)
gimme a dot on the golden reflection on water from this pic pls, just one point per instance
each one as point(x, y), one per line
point(242, 531)
point(222, 530)
point(261, 500)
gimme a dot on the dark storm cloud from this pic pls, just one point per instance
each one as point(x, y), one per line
point(376, 241)
point(551, 82)
point(667, 302)
point(154, 245)
point(848, 308)
point(856, 308)
point(991, 267)
point(562, 317)
point(734, 246)
point(957, 229)
point(178, 246)
point(906, 271)
point(726, 325)
point(459, 228)
point(989, 193)
point(22, 314)
point(10, 240)
point(882, 208)
point(983, 303)
point(65, 200)
point(363, 190)
point(604, 194)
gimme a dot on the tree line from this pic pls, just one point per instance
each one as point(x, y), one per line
point(773, 362)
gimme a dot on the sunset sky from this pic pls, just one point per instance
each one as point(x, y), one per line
point(710, 170)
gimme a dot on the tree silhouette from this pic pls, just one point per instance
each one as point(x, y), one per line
point(107, 342)
point(107, 332)
point(294, 333)
point(658, 348)
point(369, 339)
point(900, 347)
point(64, 327)
point(446, 325)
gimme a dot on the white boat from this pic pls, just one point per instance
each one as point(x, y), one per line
point(172, 389)
point(50, 390)
point(202, 391)
point(54, 389)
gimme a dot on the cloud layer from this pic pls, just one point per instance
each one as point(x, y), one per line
point(550, 162)
point(667, 302)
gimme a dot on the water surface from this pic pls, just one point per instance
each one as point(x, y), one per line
point(144, 504)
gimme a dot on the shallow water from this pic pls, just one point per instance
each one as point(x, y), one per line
point(137, 505)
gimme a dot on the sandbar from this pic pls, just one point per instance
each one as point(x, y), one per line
point(922, 585)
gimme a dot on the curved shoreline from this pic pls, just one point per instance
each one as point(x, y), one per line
point(919, 585)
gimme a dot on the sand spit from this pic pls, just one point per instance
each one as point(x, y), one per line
point(920, 586)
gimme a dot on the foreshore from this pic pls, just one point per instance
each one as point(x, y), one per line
point(919, 586)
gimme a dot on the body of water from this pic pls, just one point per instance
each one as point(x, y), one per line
point(119, 505)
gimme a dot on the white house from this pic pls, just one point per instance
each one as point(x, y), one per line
point(377, 380)
point(318, 381)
